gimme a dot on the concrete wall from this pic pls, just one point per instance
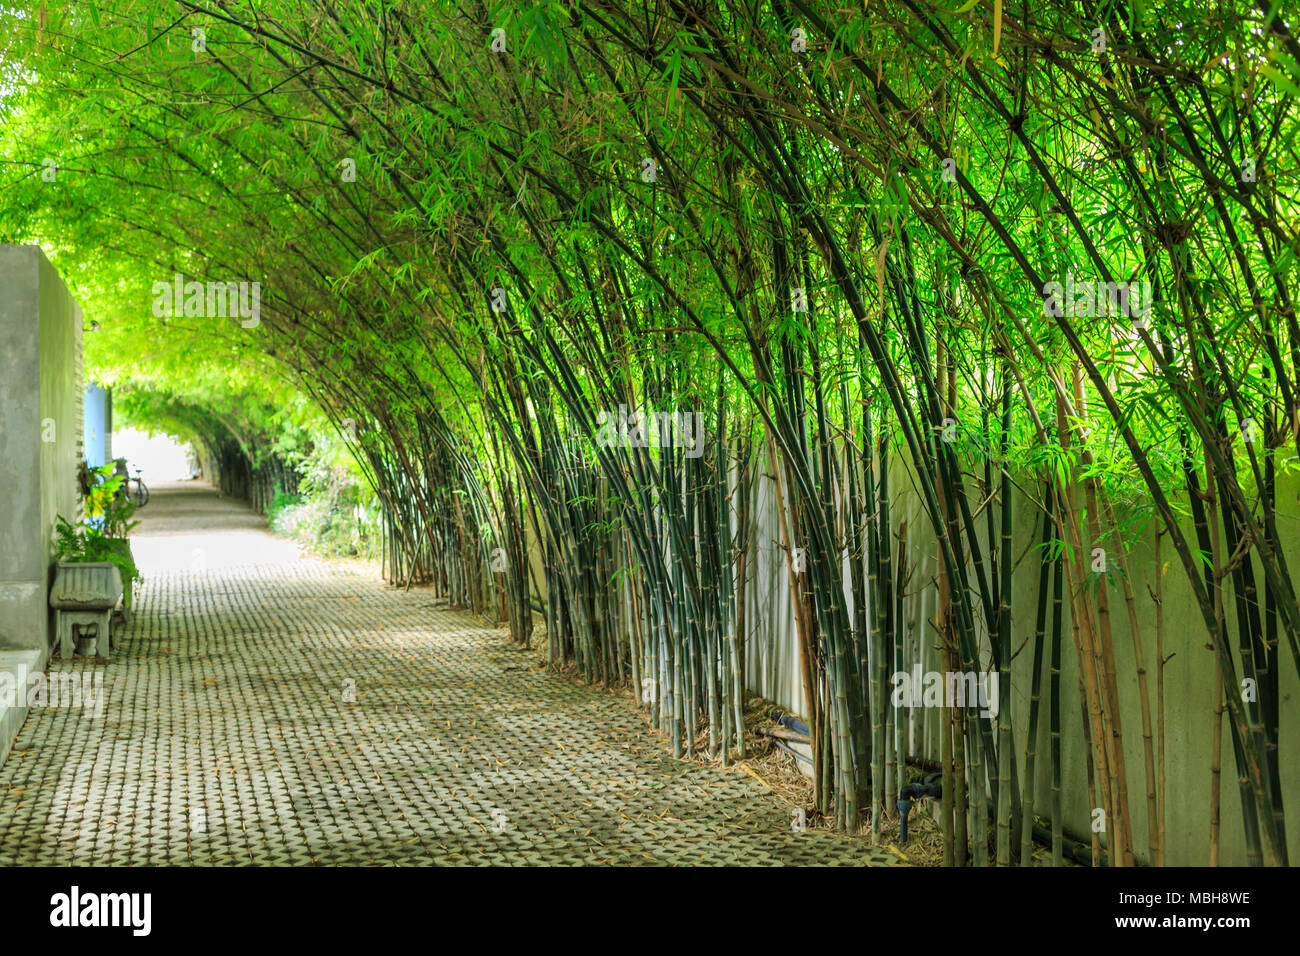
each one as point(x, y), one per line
point(771, 644)
point(1189, 696)
point(772, 671)
point(40, 441)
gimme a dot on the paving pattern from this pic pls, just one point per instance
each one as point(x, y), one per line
point(268, 709)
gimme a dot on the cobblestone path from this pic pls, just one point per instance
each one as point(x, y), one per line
point(229, 734)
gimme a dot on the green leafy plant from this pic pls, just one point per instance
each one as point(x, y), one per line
point(86, 544)
point(105, 539)
point(332, 515)
point(105, 497)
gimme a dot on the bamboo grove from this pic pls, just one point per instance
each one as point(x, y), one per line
point(817, 240)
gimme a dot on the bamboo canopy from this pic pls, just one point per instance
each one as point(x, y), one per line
point(605, 299)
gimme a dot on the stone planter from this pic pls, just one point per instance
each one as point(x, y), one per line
point(84, 595)
point(123, 547)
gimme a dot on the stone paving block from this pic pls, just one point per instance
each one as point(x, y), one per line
point(225, 741)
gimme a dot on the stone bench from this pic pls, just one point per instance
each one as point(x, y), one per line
point(84, 596)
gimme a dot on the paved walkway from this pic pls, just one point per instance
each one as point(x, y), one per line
point(230, 734)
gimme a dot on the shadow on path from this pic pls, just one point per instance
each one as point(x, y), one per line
point(264, 708)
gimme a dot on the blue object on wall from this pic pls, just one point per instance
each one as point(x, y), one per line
point(97, 433)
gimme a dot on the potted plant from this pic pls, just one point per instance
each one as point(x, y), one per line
point(103, 535)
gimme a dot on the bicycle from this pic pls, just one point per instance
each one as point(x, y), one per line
point(141, 495)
